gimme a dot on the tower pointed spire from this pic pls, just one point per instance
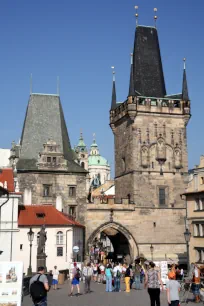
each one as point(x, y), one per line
point(185, 96)
point(131, 86)
point(114, 100)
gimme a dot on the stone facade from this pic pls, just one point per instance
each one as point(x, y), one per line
point(151, 161)
point(194, 196)
point(59, 184)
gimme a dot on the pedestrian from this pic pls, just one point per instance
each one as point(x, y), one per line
point(131, 276)
point(181, 274)
point(141, 275)
point(117, 273)
point(75, 279)
point(153, 282)
point(39, 287)
point(137, 274)
point(87, 273)
point(173, 288)
point(108, 273)
point(196, 283)
point(127, 279)
point(55, 278)
point(95, 272)
point(102, 272)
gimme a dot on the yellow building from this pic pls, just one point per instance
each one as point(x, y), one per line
point(195, 212)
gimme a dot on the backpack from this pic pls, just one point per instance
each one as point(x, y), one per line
point(78, 274)
point(37, 290)
point(118, 274)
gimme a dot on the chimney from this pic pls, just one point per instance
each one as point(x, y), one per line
point(59, 203)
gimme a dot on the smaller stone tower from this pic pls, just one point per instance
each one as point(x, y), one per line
point(82, 153)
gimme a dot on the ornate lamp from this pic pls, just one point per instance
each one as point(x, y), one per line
point(30, 239)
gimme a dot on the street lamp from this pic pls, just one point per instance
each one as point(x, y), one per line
point(151, 250)
point(30, 239)
point(187, 236)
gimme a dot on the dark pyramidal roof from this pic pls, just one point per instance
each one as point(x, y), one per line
point(44, 120)
point(147, 64)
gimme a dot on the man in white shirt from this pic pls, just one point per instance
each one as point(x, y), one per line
point(55, 278)
point(117, 272)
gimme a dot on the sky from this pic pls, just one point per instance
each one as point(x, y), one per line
point(79, 41)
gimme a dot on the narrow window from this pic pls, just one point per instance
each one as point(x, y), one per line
point(197, 206)
point(54, 160)
point(123, 164)
point(202, 180)
point(46, 190)
point(152, 165)
point(72, 211)
point(162, 196)
point(198, 230)
point(59, 238)
point(48, 159)
point(72, 191)
point(59, 251)
point(82, 165)
point(21, 247)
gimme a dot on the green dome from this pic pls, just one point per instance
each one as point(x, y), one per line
point(97, 160)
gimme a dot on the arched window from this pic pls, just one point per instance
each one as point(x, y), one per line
point(59, 239)
point(82, 164)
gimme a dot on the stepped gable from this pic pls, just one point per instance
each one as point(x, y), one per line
point(147, 64)
point(44, 120)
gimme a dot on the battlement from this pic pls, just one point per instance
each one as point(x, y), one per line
point(109, 204)
point(141, 104)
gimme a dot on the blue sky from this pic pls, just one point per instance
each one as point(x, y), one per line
point(79, 41)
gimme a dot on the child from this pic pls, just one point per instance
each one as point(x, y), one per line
point(173, 288)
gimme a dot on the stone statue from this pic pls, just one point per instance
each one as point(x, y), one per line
point(42, 240)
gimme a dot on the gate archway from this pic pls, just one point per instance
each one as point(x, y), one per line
point(122, 240)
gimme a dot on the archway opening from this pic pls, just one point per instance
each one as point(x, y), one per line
point(110, 244)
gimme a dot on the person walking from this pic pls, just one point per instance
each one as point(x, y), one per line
point(141, 275)
point(55, 277)
point(108, 273)
point(117, 272)
point(87, 273)
point(102, 272)
point(75, 280)
point(181, 274)
point(137, 274)
point(196, 283)
point(39, 287)
point(131, 276)
point(95, 272)
point(153, 282)
point(173, 288)
point(127, 280)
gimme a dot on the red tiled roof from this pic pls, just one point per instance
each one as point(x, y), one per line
point(7, 176)
point(28, 216)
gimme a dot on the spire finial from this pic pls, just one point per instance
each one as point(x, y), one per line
point(58, 85)
point(94, 137)
point(131, 58)
point(184, 63)
point(155, 16)
point(113, 68)
point(136, 15)
point(81, 134)
point(31, 83)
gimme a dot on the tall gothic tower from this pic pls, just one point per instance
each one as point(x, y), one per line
point(151, 162)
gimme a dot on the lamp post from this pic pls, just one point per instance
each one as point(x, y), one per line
point(30, 239)
point(151, 250)
point(187, 236)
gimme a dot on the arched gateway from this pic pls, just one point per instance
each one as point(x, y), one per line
point(122, 241)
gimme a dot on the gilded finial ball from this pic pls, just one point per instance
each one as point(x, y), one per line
point(136, 15)
point(131, 54)
point(136, 7)
point(184, 59)
point(155, 17)
point(112, 67)
point(155, 9)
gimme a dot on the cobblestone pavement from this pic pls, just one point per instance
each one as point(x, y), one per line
point(98, 297)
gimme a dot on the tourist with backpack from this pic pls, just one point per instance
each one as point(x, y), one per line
point(76, 274)
point(117, 273)
point(39, 287)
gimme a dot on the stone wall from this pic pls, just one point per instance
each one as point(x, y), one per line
point(163, 228)
point(59, 183)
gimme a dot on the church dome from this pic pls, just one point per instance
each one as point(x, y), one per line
point(97, 160)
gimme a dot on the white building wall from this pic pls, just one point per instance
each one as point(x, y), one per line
point(4, 157)
point(62, 262)
point(8, 226)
